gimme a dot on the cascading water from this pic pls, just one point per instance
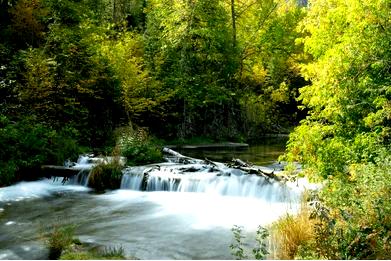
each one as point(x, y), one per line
point(85, 164)
point(169, 210)
point(198, 178)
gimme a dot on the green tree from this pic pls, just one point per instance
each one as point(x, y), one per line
point(269, 57)
point(349, 94)
point(189, 49)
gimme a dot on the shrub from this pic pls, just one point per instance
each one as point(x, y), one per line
point(350, 218)
point(27, 144)
point(138, 147)
point(60, 238)
point(106, 176)
point(358, 223)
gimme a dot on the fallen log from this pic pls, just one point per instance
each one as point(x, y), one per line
point(231, 145)
point(59, 171)
point(253, 169)
point(239, 162)
point(216, 166)
point(179, 158)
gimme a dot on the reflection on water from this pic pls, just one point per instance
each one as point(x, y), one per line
point(264, 153)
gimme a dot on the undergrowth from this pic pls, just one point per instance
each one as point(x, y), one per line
point(106, 176)
point(138, 147)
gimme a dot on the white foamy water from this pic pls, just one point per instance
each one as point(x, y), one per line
point(198, 178)
point(35, 189)
point(206, 211)
point(186, 212)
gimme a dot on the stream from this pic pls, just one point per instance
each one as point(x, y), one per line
point(190, 218)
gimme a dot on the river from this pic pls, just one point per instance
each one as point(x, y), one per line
point(180, 224)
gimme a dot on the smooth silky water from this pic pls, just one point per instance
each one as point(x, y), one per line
point(191, 219)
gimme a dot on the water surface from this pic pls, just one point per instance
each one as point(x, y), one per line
point(147, 224)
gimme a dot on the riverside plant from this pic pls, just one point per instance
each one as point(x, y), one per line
point(106, 176)
point(291, 232)
point(108, 253)
point(238, 248)
point(138, 147)
point(59, 239)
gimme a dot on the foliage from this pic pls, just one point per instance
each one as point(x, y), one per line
point(138, 147)
point(93, 66)
point(238, 248)
point(28, 22)
point(349, 97)
point(140, 95)
point(62, 244)
point(26, 145)
point(59, 239)
point(345, 141)
point(106, 176)
point(348, 219)
point(269, 64)
point(261, 251)
point(188, 48)
point(358, 223)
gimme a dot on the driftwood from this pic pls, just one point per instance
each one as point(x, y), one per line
point(179, 158)
point(211, 146)
point(236, 164)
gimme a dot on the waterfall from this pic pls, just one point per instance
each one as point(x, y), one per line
point(196, 178)
point(85, 164)
point(133, 178)
point(81, 178)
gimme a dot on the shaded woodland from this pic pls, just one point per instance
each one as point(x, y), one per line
point(80, 75)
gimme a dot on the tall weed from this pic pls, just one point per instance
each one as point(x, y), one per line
point(290, 233)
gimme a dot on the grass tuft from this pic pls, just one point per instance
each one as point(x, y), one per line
point(291, 233)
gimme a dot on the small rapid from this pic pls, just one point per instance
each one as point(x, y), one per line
point(169, 210)
point(233, 182)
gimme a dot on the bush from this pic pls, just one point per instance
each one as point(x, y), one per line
point(106, 176)
point(359, 222)
point(60, 238)
point(63, 245)
point(27, 145)
point(138, 147)
point(350, 218)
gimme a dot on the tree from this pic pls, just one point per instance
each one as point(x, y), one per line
point(349, 95)
point(269, 63)
point(189, 48)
